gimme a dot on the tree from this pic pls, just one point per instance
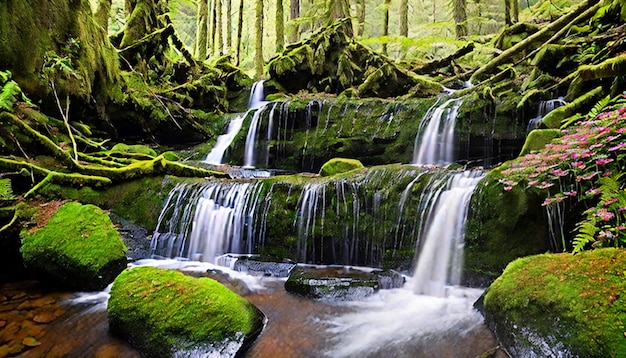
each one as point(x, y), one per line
point(386, 24)
point(404, 18)
point(511, 11)
point(239, 30)
point(229, 25)
point(460, 18)
point(219, 46)
point(202, 28)
point(213, 27)
point(340, 9)
point(258, 53)
point(361, 17)
point(294, 14)
point(280, 26)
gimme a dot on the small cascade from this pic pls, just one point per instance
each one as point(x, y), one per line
point(224, 141)
point(252, 138)
point(435, 141)
point(545, 107)
point(440, 255)
point(202, 222)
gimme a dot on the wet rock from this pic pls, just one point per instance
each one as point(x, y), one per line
point(136, 238)
point(340, 283)
point(256, 266)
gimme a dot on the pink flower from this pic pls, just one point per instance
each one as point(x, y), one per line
point(508, 188)
point(610, 201)
point(545, 185)
point(604, 214)
point(559, 172)
point(578, 164)
point(618, 147)
point(570, 193)
point(603, 161)
point(592, 192)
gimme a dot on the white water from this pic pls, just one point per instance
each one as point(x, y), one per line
point(435, 142)
point(223, 221)
point(256, 100)
point(440, 255)
point(545, 107)
point(224, 141)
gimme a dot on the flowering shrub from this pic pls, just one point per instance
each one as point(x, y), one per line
point(583, 168)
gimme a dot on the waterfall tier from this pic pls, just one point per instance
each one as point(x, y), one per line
point(435, 142)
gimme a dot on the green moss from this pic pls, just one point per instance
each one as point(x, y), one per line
point(134, 148)
point(557, 117)
point(502, 226)
point(163, 311)
point(339, 165)
point(572, 301)
point(538, 138)
point(78, 248)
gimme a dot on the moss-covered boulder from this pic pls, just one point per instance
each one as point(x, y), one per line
point(339, 165)
point(561, 305)
point(538, 138)
point(340, 283)
point(164, 313)
point(77, 247)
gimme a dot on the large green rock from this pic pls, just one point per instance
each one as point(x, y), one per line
point(339, 165)
point(561, 305)
point(164, 313)
point(78, 248)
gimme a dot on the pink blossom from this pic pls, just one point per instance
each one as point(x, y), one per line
point(603, 161)
point(610, 201)
point(545, 185)
point(578, 164)
point(618, 147)
point(604, 214)
point(508, 188)
point(570, 193)
point(592, 192)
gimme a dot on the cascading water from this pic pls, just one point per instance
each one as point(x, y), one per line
point(439, 259)
point(202, 222)
point(435, 142)
point(545, 107)
point(224, 141)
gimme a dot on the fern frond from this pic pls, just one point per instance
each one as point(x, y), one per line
point(587, 231)
point(6, 190)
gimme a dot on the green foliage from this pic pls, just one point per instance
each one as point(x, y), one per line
point(6, 190)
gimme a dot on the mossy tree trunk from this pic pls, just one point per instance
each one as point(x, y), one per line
point(202, 29)
point(460, 18)
point(340, 9)
point(229, 26)
point(219, 46)
point(361, 17)
point(404, 18)
point(280, 26)
point(258, 43)
point(294, 14)
point(212, 34)
point(511, 11)
point(239, 31)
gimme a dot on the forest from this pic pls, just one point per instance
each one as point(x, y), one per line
point(118, 105)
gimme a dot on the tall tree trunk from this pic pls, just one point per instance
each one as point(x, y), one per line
point(229, 26)
point(511, 11)
point(280, 26)
point(404, 18)
point(219, 46)
point(435, 10)
point(239, 31)
point(102, 13)
point(294, 13)
point(460, 18)
point(213, 28)
point(386, 24)
point(340, 9)
point(201, 30)
point(258, 53)
point(361, 17)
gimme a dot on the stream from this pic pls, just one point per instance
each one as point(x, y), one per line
point(390, 323)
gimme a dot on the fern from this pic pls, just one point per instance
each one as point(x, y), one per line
point(6, 190)
point(9, 95)
point(587, 230)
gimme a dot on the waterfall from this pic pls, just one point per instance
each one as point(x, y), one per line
point(440, 252)
point(545, 107)
point(224, 141)
point(435, 142)
point(202, 222)
point(250, 152)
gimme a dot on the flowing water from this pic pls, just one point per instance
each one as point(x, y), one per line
point(256, 100)
point(545, 107)
point(435, 142)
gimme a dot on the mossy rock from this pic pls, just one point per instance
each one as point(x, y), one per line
point(340, 283)
point(339, 165)
point(538, 138)
point(561, 305)
point(78, 248)
point(164, 313)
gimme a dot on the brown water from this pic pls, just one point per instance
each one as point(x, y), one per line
point(38, 322)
